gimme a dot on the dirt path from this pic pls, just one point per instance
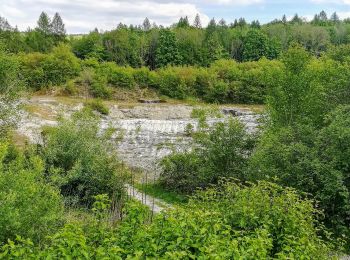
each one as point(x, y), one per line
point(156, 205)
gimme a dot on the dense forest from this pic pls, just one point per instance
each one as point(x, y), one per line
point(282, 192)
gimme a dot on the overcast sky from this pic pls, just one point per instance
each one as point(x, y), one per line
point(81, 16)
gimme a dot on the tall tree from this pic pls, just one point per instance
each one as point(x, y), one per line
point(323, 16)
point(335, 18)
point(167, 52)
point(197, 22)
point(255, 24)
point(284, 19)
point(222, 23)
point(4, 25)
point(242, 22)
point(58, 28)
point(183, 22)
point(146, 25)
point(44, 23)
point(296, 19)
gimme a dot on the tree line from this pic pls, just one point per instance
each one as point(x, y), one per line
point(183, 43)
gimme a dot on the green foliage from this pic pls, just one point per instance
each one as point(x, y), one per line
point(262, 221)
point(258, 45)
point(60, 65)
point(167, 52)
point(80, 161)
point(157, 191)
point(89, 46)
point(177, 82)
point(221, 151)
point(10, 85)
point(299, 148)
point(44, 70)
point(30, 207)
point(145, 78)
point(98, 105)
point(290, 93)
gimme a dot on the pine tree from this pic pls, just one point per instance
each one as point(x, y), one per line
point(4, 25)
point(183, 23)
point(335, 18)
point(296, 19)
point(222, 23)
point(284, 19)
point(197, 22)
point(255, 24)
point(44, 23)
point(211, 26)
point(323, 16)
point(58, 27)
point(242, 22)
point(146, 26)
point(167, 52)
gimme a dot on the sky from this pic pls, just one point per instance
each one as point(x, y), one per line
point(82, 16)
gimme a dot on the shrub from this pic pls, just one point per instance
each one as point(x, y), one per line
point(97, 105)
point(261, 221)
point(177, 82)
point(95, 83)
point(60, 65)
point(80, 161)
point(32, 70)
point(220, 151)
point(53, 69)
point(29, 206)
point(217, 92)
point(117, 76)
point(144, 77)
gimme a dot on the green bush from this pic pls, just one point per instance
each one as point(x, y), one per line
point(145, 78)
point(60, 65)
point(81, 162)
point(29, 206)
point(32, 70)
point(231, 221)
point(217, 92)
point(177, 82)
point(97, 105)
point(117, 76)
point(53, 69)
point(220, 151)
point(94, 83)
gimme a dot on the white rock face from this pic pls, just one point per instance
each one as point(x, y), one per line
point(150, 131)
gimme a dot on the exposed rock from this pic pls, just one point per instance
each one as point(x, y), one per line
point(149, 132)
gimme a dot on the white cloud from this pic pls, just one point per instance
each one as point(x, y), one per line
point(347, 2)
point(85, 15)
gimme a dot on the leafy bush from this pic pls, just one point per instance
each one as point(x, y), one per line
point(60, 65)
point(117, 76)
point(144, 77)
point(33, 71)
point(80, 161)
point(177, 82)
point(261, 221)
point(97, 105)
point(217, 93)
point(53, 69)
point(221, 151)
point(10, 85)
point(29, 206)
point(94, 83)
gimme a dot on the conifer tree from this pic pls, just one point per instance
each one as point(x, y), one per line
point(167, 52)
point(57, 26)
point(146, 26)
point(44, 23)
point(197, 22)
